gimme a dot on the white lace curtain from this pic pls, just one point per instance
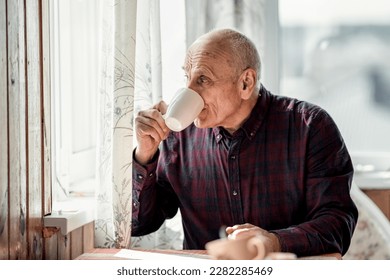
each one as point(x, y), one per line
point(115, 128)
point(131, 83)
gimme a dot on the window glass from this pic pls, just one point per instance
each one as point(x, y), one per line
point(336, 53)
point(74, 27)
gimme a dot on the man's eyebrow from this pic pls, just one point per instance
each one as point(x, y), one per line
point(186, 69)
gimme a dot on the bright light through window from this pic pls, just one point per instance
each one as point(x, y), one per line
point(336, 53)
point(74, 28)
point(333, 12)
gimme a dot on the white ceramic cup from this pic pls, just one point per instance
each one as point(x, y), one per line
point(185, 106)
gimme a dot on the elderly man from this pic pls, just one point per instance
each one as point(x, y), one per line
point(258, 163)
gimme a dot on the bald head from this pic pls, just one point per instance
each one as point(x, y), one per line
point(242, 50)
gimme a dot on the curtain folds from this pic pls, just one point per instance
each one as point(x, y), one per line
point(246, 16)
point(115, 128)
point(148, 90)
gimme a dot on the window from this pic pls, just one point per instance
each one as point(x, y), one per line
point(75, 49)
point(336, 53)
point(74, 58)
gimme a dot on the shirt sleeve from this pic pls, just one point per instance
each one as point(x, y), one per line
point(331, 214)
point(153, 201)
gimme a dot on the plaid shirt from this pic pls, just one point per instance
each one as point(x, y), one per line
point(286, 170)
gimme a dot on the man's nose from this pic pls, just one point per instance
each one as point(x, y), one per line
point(191, 84)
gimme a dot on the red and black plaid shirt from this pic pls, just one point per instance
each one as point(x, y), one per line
point(286, 170)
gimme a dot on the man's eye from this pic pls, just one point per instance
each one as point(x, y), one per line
point(202, 79)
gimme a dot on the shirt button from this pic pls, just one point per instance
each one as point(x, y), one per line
point(219, 136)
point(235, 193)
point(139, 176)
point(136, 204)
point(151, 174)
point(252, 134)
point(232, 157)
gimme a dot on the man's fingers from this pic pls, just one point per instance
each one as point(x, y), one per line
point(150, 122)
point(240, 231)
point(161, 107)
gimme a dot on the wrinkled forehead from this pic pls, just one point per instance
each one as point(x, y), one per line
point(206, 51)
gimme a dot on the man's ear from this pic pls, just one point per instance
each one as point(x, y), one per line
point(247, 83)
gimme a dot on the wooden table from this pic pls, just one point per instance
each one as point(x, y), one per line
point(109, 254)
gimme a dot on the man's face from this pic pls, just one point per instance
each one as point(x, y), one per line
point(211, 72)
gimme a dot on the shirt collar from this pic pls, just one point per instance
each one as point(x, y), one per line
point(253, 123)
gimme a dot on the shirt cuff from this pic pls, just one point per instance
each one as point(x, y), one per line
point(288, 240)
point(143, 174)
